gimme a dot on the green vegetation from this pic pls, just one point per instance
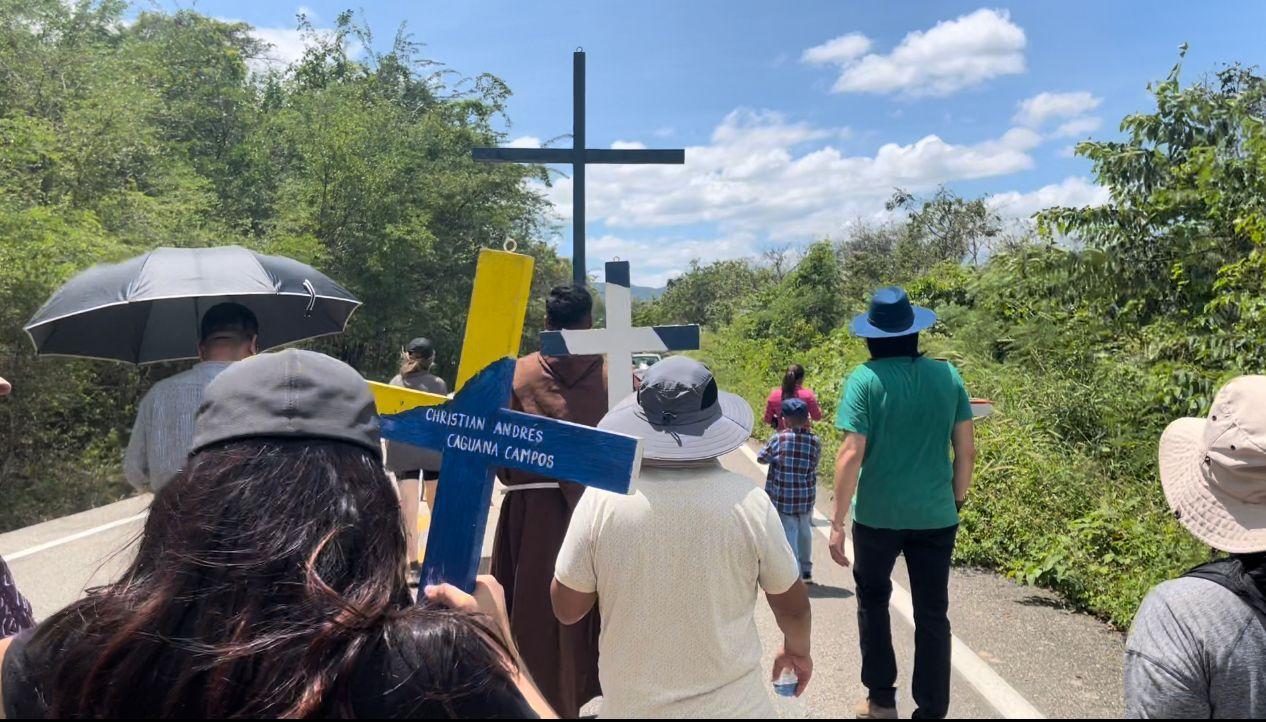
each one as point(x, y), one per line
point(1091, 329)
point(119, 137)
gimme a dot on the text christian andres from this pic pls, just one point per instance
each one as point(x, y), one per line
point(492, 447)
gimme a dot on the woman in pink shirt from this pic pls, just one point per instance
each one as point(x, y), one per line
point(792, 388)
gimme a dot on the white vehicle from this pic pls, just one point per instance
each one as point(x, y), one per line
point(643, 361)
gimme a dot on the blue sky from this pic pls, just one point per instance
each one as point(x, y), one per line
point(800, 118)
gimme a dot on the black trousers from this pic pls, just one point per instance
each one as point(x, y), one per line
point(927, 553)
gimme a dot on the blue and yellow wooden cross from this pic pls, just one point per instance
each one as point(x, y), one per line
point(494, 326)
point(477, 435)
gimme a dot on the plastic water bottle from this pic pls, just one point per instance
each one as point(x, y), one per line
point(786, 703)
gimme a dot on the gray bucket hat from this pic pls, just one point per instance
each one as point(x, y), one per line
point(292, 393)
point(681, 415)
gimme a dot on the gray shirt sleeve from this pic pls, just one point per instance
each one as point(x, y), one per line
point(135, 459)
point(1165, 671)
point(1153, 690)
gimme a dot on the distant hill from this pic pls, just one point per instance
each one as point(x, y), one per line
point(640, 293)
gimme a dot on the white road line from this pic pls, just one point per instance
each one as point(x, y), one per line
point(995, 690)
point(73, 537)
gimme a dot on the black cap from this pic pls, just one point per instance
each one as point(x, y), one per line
point(421, 347)
point(292, 393)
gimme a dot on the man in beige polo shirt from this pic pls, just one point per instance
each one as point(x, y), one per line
point(689, 524)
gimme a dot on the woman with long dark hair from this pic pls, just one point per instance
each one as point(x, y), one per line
point(792, 387)
point(269, 581)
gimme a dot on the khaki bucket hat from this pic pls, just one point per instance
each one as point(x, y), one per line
point(1213, 470)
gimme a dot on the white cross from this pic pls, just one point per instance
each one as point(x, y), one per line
point(620, 339)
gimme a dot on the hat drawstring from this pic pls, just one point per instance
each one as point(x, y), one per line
point(667, 418)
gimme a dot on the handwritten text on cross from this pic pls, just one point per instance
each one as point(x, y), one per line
point(478, 435)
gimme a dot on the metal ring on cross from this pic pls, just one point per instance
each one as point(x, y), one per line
point(510, 245)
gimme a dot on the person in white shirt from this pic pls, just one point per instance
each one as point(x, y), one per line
point(163, 431)
point(689, 525)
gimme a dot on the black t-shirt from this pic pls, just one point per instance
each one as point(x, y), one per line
point(386, 686)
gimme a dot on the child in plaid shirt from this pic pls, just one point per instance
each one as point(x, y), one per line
point(792, 482)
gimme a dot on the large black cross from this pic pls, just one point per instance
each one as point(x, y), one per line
point(578, 156)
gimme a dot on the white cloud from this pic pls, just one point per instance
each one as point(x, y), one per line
point(657, 259)
point(287, 46)
point(1073, 191)
point(525, 141)
point(839, 51)
point(1078, 127)
point(1036, 111)
point(765, 177)
point(950, 56)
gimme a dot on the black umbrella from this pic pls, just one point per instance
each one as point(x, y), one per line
point(147, 309)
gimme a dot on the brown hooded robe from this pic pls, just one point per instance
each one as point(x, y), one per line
point(562, 659)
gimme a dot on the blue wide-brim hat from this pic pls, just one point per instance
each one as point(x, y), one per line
point(891, 314)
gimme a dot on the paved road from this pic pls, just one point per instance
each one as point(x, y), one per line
point(1063, 664)
point(53, 567)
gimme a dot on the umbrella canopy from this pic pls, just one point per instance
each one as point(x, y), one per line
point(147, 309)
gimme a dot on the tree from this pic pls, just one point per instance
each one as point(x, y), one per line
point(1188, 191)
point(119, 137)
point(949, 226)
point(708, 295)
point(779, 261)
point(802, 309)
point(1177, 260)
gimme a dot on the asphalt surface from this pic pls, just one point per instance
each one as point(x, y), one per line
point(1065, 664)
point(1062, 663)
point(53, 577)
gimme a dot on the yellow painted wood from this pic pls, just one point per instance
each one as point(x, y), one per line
point(498, 305)
point(494, 327)
point(395, 399)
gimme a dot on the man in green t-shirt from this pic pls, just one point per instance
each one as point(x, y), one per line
point(902, 413)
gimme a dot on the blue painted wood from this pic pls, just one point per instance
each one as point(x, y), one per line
point(455, 540)
point(477, 435)
point(679, 337)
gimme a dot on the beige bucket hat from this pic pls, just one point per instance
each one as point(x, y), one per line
point(1213, 470)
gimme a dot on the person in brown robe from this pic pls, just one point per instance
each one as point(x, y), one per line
point(563, 660)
